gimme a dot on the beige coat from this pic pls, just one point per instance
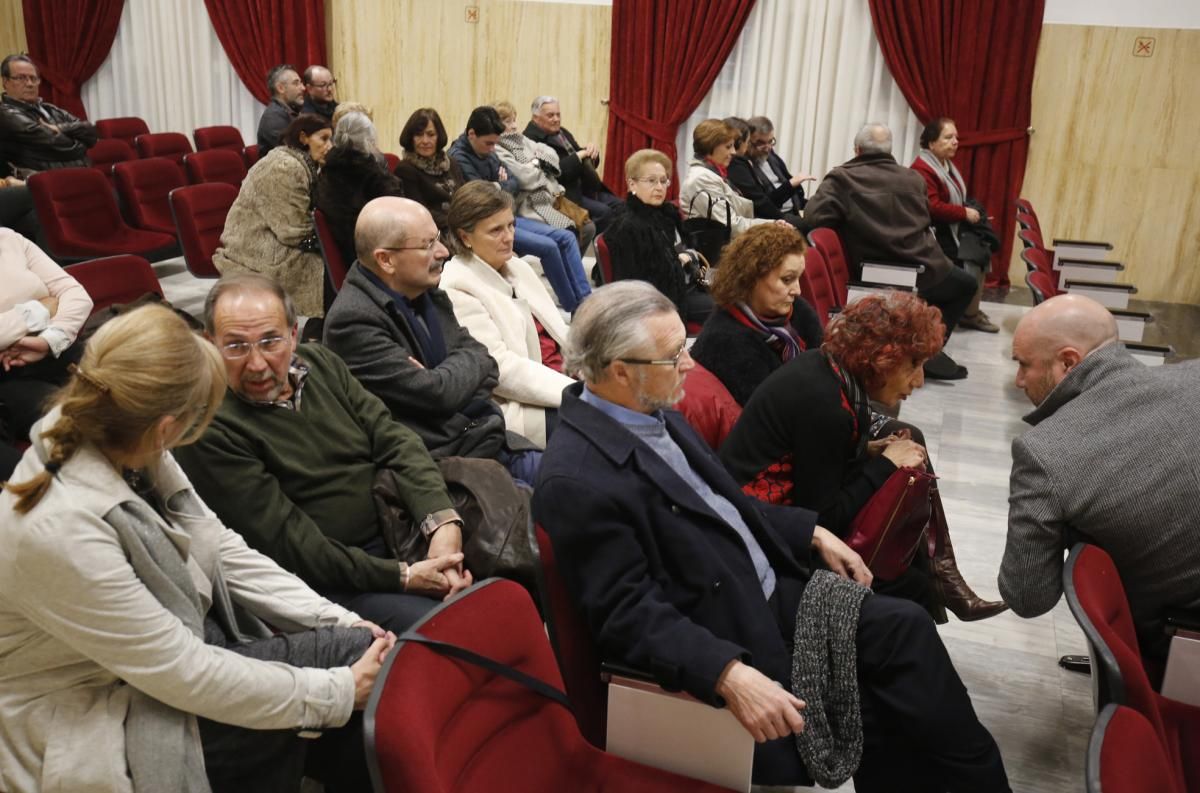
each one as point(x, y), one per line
point(78, 629)
point(707, 186)
point(272, 214)
point(498, 309)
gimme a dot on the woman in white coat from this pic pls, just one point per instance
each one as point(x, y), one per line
point(127, 610)
point(502, 303)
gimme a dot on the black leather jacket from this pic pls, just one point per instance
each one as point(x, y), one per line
point(30, 145)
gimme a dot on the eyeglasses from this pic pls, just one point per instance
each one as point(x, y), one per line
point(673, 361)
point(31, 79)
point(240, 349)
point(762, 144)
point(323, 86)
point(427, 247)
point(652, 180)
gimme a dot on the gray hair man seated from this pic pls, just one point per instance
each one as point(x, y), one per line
point(1111, 460)
point(681, 574)
point(880, 209)
point(397, 332)
point(287, 97)
point(291, 456)
point(37, 135)
point(577, 164)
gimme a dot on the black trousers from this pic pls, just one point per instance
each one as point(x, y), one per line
point(24, 390)
point(240, 759)
point(599, 208)
point(920, 731)
point(953, 294)
point(17, 213)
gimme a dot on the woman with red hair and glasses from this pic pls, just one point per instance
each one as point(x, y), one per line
point(807, 437)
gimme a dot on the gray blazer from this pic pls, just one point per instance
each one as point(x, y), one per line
point(1114, 460)
point(376, 342)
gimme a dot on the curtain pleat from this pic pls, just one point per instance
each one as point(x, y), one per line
point(68, 40)
point(260, 34)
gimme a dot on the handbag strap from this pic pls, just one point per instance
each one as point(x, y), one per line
point(711, 202)
point(492, 665)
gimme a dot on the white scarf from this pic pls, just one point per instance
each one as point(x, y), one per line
point(952, 180)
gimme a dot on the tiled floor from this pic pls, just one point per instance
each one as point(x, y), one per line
point(1040, 714)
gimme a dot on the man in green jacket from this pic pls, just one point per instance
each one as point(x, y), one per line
point(290, 459)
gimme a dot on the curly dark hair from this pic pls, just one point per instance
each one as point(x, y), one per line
point(875, 334)
point(748, 258)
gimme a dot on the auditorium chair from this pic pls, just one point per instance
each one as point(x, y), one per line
point(1072, 269)
point(144, 186)
point(335, 266)
point(80, 219)
point(250, 155)
point(816, 285)
point(604, 259)
point(1106, 293)
point(392, 161)
point(1125, 755)
point(219, 138)
point(108, 152)
point(875, 275)
point(172, 145)
point(708, 406)
point(126, 128)
point(438, 724)
point(115, 279)
point(1097, 599)
point(215, 165)
point(199, 211)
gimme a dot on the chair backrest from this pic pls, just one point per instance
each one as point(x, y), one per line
point(392, 161)
point(708, 406)
point(172, 145)
point(109, 151)
point(220, 137)
point(335, 265)
point(115, 279)
point(250, 155)
point(215, 165)
point(127, 128)
point(73, 204)
point(1031, 238)
point(816, 284)
point(571, 639)
point(1040, 261)
point(144, 186)
point(199, 211)
point(1041, 285)
point(473, 727)
point(1126, 756)
point(827, 242)
point(604, 259)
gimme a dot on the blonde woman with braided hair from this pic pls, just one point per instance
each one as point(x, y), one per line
point(134, 639)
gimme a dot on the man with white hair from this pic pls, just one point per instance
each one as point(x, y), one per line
point(577, 164)
point(681, 574)
point(881, 213)
point(1111, 460)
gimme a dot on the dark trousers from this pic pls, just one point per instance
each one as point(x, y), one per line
point(241, 759)
point(920, 731)
point(24, 390)
point(599, 208)
point(392, 611)
point(953, 294)
point(17, 213)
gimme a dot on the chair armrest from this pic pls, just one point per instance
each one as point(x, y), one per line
point(1107, 246)
point(1089, 263)
point(1102, 285)
point(1183, 620)
point(920, 268)
point(875, 286)
point(1132, 316)
point(609, 670)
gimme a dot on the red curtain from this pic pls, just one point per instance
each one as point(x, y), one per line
point(665, 56)
point(69, 40)
point(257, 35)
point(974, 63)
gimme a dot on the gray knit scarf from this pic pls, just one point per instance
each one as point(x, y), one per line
point(825, 676)
point(951, 178)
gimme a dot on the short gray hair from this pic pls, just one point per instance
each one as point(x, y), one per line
point(536, 107)
point(761, 124)
point(276, 74)
point(239, 283)
point(355, 131)
point(610, 324)
point(874, 138)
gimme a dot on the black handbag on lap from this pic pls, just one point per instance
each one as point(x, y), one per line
point(707, 235)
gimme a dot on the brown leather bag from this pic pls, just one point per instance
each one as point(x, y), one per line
point(577, 214)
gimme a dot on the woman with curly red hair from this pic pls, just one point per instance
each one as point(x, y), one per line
point(807, 437)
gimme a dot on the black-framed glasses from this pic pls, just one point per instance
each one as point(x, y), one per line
point(240, 349)
point(323, 86)
point(673, 361)
point(762, 144)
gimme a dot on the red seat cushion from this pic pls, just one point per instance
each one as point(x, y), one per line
point(79, 216)
point(708, 406)
point(144, 186)
point(200, 211)
point(215, 165)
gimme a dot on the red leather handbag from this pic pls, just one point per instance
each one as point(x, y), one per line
point(889, 528)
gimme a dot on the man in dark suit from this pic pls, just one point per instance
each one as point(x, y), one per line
point(577, 164)
point(319, 86)
point(397, 332)
point(682, 575)
point(763, 177)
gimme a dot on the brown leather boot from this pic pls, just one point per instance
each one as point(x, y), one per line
point(957, 596)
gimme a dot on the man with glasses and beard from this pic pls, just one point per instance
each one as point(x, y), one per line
point(36, 135)
point(319, 85)
point(397, 332)
point(763, 177)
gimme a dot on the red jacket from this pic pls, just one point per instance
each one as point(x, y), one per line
point(940, 208)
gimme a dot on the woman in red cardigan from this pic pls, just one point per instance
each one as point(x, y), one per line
point(947, 205)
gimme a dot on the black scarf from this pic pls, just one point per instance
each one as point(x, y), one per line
point(421, 316)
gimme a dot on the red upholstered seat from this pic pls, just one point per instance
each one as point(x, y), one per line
point(1125, 755)
point(816, 284)
point(218, 138)
point(335, 265)
point(435, 724)
point(604, 259)
point(215, 165)
point(79, 217)
point(1031, 238)
point(829, 245)
point(199, 211)
point(115, 279)
point(392, 161)
point(109, 151)
point(144, 186)
point(172, 145)
point(1041, 285)
point(708, 406)
point(126, 128)
point(250, 154)
point(1040, 260)
point(1097, 599)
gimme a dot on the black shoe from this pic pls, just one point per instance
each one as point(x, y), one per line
point(943, 367)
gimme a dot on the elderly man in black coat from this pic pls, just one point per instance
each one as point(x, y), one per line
point(682, 575)
point(577, 164)
point(397, 332)
point(36, 135)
